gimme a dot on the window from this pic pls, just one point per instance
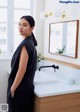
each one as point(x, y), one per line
point(10, 13)
point(3, 26)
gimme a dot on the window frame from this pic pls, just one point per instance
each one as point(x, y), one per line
point(10, 28)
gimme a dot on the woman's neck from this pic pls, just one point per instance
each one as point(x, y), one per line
point(26, 36)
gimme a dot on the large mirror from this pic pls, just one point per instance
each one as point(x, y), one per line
point(63, 38)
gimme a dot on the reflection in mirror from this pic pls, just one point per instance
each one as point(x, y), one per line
point(63, 38)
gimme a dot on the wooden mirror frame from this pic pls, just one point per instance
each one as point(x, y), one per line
point(76, 43)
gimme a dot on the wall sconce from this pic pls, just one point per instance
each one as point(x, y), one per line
point(47, 14)
point(63, 14)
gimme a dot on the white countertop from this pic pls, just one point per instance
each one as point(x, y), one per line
point(55, 89)
point(47, 84)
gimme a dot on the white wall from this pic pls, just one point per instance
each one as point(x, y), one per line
point(72, 14)
point(4, 68)
point(39, 28)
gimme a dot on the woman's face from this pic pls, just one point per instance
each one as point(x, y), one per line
point(24, 28)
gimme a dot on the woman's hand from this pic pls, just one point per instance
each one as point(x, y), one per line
point(12, 92)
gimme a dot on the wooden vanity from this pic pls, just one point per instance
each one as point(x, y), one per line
point(58, 103)
point(57, 96)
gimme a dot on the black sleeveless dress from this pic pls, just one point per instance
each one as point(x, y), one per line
point(24, 95)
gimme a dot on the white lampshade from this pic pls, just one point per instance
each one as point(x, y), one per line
point(44, 15)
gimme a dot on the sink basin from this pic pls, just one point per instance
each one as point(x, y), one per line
point(42, 77)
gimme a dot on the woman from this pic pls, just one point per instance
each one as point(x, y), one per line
point(20, 93)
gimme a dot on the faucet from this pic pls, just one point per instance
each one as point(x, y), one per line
point(53, 66)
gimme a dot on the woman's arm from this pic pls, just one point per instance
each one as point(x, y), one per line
point(21, 71)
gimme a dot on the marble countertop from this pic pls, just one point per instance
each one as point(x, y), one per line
point(55, 89)
point(47, 84)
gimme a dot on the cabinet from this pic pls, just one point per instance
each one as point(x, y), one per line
point(58, 103)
